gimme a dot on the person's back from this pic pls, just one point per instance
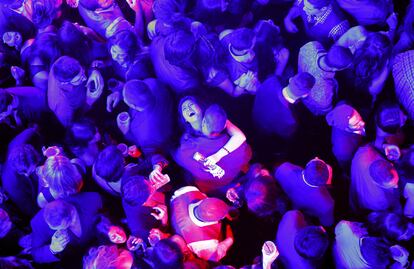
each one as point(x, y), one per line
point(313, 200)
point(373, 182)
point(291, 223)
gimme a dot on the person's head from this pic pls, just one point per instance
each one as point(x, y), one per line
point(108, 257)
point(190, 109)
point(314, 7)
point(82, 133)
point(214, 120)
point(44, 11)
point(211, 209)
point(68, 70)
point(337, 58)
point(5, 223)
point(59, 215)
point(317, 173)
point(24, 159)
point(167, 255)
point(263, 197)
point(299, 87)
point(371, 58)
point(384, 174)
point(137, 95)
point(375, 252)
point(179, 48)
point(109, 165)
point(72, 41)
point(389, 117)
point(311, 242)
point(62, 176)
point(346, 118)
point(136, 190)
point(123, 47)
point(242, 43)
point(394, 227)
point(13, 39)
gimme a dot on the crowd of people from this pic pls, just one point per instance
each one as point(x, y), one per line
point(200, 134)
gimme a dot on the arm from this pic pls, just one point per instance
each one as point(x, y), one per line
point(237, 138)
point(294, 12)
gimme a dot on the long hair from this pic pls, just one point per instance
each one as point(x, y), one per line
point(371, 58)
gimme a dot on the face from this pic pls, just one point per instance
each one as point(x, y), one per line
point(309, 9)
point(117, 235)
point(356, 123)
point(12, 39)
point(190, 111)
point(63, 225)
point(119, 55)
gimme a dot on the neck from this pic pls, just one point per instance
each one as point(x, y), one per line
point(196, 125)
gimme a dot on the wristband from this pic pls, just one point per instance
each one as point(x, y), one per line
point(228, 152)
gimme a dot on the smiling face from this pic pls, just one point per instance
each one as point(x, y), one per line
point(191, 111)
point(119, 55)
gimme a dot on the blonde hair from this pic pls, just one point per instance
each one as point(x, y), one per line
point(62, 176)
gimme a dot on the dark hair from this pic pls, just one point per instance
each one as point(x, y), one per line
point(66, 68)
point(263, 197)
point(137, 92)
point(371, 58)
point(167, 255)
point(215, 118)
point(311, 242)
point(44, 11)
point(73, 42)
point(381, 172)
point(388, 224)
point(179, 48)
point(375, 251)
point(135, 190)
point(57, 211)
point(110, 164)
point(81, 133)
point(387, 117)
point(22, 157)
point(127, 41)
point(14, 263)
point(45, 47)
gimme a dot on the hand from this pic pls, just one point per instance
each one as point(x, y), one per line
point(392, 21)
point(269, 252)
point(290, 26)
point(73, 3)
point(7, 113)
point(112, 101)
point(399, 254)
point(116, 235)
point(281, 56)
point(60, 240)
point(156, 176)
point(134, 243)
point(94, 87)
point(156, 235)
point(17, 73)
point(161, 213)
point(232, 195)
point(134, 4)
point(212, 160)
point(151, 29)
point(221, 250)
